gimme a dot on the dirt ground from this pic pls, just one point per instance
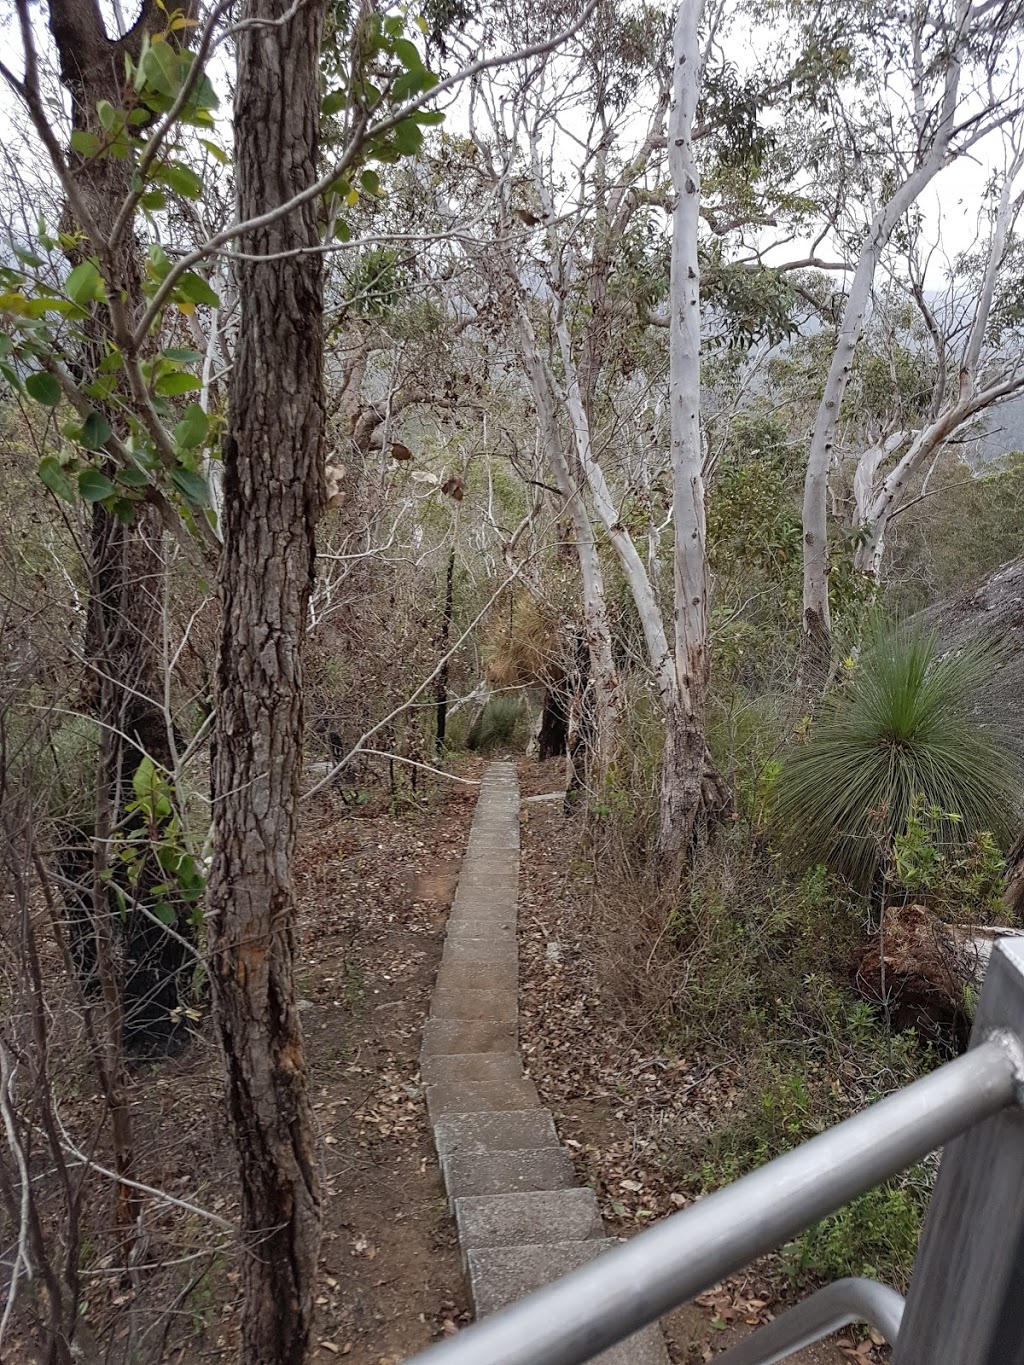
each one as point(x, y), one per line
point(375, 881)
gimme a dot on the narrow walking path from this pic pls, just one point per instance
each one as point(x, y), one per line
point(522, 1220)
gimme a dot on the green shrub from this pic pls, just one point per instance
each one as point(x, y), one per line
point(875, 1235)
point(903, 727)
point(504, 723)
point(963, 883)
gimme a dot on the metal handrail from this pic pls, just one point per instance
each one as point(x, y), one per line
point(817, 1317)
point(631, 1285)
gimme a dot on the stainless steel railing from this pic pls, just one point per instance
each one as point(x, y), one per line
point(961, 1303)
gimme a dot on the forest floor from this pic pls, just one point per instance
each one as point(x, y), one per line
point(375, 882)
point(374, 920)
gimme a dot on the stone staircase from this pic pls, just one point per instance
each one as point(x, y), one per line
point(522, 1220)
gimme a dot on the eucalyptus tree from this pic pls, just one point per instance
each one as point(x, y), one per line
point(596, 284)
point(970, 334)
point(933, 83)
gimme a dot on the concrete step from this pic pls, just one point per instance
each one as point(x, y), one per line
point(493, 901)
point(443, 1036)
point(479, 1097)
point(503, 1130)
point(471, 948)
point(495, 1220)
point(499, 932)
point(462, 1003)
point(496, 878)
point(482, 976)
point(539, 1168)
point(471, 1066)
point(499, 1276)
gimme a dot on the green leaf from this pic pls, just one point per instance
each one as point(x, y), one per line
point(410, 83)
point(44, 388)
point(370, 182)
point(408, 54)
point(94, 486)
point(159, 265)
point(27, 258)
point(181, 353)
point(178, 381)
point(342, 230)
point(196, 290)
point(406, 137)
point(192, 485)
point(51, 471)
point(430, 116)
point(182, 179)
point(332, 102)
point(11, 376)
point(161, 68)
point(191, 430)
point(85, 144)
point(95, 432)
point(106, 112)
point(124, 510)
point(132, 477)
point(218, 153)
point(84, 283)
point(153, 199)
point(164, 913)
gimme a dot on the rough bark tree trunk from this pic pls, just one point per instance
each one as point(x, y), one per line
point(273, 495)
point(125, 569)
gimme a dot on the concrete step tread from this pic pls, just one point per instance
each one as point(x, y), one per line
point(471, 1066)
point(442, 1036)
point(476, 1097)
point(533, 1217)
point(472, 948)
point(483, 976)
point(454, 1002)
point(499, 1276)
point(502, 1130)
point(512, 1172)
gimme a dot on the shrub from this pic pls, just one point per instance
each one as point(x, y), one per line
point(504, 723)
point(905, 726)
point(963, 883)
point(875, 1235)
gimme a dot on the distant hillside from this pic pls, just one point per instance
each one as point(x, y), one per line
point(1005, 431)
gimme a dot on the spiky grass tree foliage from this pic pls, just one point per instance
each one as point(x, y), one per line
point(907, 724)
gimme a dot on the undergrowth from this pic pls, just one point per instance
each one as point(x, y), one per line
point(751, 969)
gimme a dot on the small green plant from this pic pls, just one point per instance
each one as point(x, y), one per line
point(875, 1236)
point(962, 882)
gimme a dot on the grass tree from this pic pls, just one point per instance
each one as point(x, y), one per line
point(906, 728)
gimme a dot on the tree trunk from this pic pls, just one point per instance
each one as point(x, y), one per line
point(686, 756)
point(604, 678)
point(444, 635)
point(126, 567)
point(273, 495)
point(934, 155)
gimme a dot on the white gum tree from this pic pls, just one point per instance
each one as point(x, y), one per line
point(945, 85)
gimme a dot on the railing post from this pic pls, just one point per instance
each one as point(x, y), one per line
point(966, 1300)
